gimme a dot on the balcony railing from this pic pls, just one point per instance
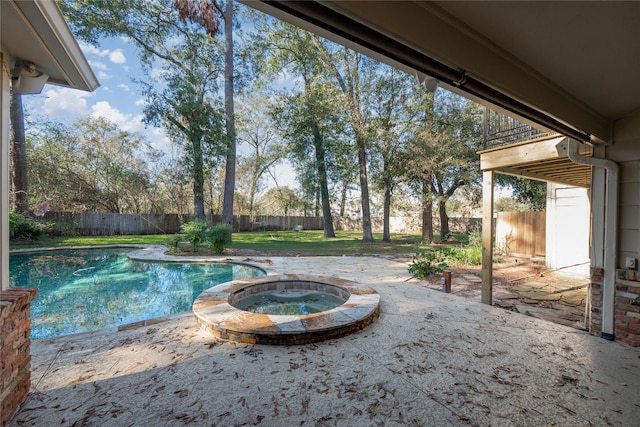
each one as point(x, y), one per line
point(501, 130)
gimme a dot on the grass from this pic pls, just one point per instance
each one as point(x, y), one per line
point(313, 243)
point(151, 239)
point(275, 243)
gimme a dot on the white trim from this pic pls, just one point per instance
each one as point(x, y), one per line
point(5, 95)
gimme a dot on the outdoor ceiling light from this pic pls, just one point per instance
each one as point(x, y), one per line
point(430, 83)
point(26, 79)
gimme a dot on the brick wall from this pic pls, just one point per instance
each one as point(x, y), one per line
point(595, 328)
point(627, 307)
point(15, 357)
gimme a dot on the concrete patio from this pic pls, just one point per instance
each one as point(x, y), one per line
point(431, 359)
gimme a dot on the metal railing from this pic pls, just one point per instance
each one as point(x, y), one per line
point(501, 130)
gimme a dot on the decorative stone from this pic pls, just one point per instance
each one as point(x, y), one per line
point(217, 315)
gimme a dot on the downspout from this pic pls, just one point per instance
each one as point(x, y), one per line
point(610, 233)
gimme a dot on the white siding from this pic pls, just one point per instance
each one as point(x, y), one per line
point(629, 214)
point(568, 225)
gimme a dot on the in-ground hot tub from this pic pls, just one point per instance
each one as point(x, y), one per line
point(354, 306)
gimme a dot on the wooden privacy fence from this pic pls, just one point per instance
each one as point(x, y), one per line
point(521, 233)
point(108, 224)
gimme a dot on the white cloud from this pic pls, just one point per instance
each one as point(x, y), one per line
point(157, 137)
point(103, 76)
point(117, 57)
point(62, 101)
point(127, 122)
point(141, 102)
point(98, 65)
point(89, 49)
point(124, 87)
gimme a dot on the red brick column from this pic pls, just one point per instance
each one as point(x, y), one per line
point(595, 328)
point(15, 356)
point(627, 307)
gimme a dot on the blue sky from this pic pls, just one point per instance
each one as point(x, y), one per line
point(115, 63)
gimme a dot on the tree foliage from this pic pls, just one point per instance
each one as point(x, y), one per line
point(184, 100)
point(531, 193)
point(306, 119)
point(443, 155)
point(91, 165)
point(257, 133)
point(353, 74)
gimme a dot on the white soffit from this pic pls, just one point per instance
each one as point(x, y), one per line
point(35, 31)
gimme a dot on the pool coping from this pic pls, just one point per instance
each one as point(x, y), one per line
point(216, 315)
point(148, 252)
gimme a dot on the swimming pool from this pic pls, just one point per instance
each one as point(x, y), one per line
point(83, 290)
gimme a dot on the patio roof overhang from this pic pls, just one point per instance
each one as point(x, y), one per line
point(565, 66)
point(36, 32)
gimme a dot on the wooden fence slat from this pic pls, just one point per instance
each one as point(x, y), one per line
point(521, 233)
point(108, 224)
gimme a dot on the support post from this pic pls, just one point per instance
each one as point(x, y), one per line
point(5, 76)
point(487, 237)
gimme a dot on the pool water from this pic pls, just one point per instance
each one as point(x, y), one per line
point(290, 302)
point(88, 290)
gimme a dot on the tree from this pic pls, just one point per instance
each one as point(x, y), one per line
point(531, 193)
point(390, 127)
point(279, 201)
point(456, 140)
point(256, 131)
point(230, 165)
point(353, 72)
point(305, 118)
point(417, 159)
point(19, 155)
point(443, 154)
point(91, 165)
point(185, 100)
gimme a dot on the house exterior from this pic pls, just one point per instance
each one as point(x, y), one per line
point(568, 67)
point(36, 47)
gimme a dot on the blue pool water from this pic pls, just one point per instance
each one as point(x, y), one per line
point(87, 290)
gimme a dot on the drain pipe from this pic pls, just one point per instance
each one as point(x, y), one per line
point(610, 234)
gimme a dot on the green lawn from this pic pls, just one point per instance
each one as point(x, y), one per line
point(285, 243)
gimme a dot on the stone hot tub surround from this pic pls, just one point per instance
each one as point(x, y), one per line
point(216, 314)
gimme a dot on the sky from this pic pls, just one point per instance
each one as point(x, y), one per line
point(115, 63)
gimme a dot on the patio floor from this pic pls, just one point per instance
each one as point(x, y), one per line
point(430, 359)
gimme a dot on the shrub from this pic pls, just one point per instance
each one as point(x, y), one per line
point(16, 221)
point(195, 232)
point(21, 227)
point(219, 237)
point(427, 262)
point(174, 242)
point(469, 255)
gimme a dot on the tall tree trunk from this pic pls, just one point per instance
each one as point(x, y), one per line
point(230, 170)
point(444, 220)
point(427, 211)
point(367, 235)
point(317, 201)
point(343, 198)
point(198, 180)
point(20, 175)
point(327, 219)
point(386, 228)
